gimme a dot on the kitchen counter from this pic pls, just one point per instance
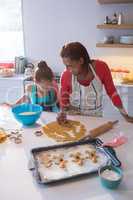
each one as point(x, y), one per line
point(17, 182)
point(15, 77)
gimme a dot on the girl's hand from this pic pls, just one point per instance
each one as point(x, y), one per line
point(7, 105)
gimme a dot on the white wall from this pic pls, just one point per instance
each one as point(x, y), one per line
point(49, 24)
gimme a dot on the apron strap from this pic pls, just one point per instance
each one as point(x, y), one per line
point(36, 94)
point(93, 71)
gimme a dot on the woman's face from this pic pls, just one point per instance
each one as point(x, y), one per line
point(74, 65)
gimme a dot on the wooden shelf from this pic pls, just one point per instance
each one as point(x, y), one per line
point(111, 26)
point(117, 45)
point(114, 1)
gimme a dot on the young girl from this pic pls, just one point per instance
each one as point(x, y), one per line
point(44, 90)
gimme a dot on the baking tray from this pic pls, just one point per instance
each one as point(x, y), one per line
point(109, 153)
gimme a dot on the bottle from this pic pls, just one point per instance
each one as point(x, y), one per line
point(120, 18)
point(107, 20)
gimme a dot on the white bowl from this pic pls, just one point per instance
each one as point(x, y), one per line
point(126, 39)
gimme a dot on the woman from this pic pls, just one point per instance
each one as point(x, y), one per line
point(44, 90)
point(82, 83)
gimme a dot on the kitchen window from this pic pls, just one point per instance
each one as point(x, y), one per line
point(11, 31)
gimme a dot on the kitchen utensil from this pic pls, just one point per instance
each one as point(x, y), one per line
point(107, 155)
point(116, 142)
point(100, 130)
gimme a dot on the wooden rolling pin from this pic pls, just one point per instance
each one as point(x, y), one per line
point(100, 130)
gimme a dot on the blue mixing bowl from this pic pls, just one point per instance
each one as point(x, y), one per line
point(111, 184)
point(27, 114)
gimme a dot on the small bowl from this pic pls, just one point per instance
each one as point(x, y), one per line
point(111, 184)
point(30, 119)
point(127, 39)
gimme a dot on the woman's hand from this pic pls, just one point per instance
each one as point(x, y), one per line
point(128, 118)
point(62, 118)
point(125, 115)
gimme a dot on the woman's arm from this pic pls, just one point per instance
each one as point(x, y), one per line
point(66, 89)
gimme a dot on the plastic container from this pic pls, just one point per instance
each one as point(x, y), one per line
point(106, 182)
point(33, 112)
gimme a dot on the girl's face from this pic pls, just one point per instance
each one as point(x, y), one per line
point(44, 84)
point(74, 65)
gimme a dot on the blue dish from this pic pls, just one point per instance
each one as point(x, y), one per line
point(27, 119)
point(111, 184)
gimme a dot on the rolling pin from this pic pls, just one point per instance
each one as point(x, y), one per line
point(100, 130)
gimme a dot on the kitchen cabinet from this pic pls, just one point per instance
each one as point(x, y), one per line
point(11, 88)
point(126, 94)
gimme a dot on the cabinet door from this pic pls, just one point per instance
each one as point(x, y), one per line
point(109, 110)
point(130, 101)
point(2, 94)
point(126, 94)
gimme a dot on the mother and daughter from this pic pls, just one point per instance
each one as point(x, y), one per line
point(81, 89)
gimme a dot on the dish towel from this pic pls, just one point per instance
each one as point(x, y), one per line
point(117, 141)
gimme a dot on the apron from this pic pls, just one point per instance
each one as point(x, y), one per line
point(87, 100)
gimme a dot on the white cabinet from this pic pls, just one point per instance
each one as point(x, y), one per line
point(126, 94)
point(109, 110)
point(11, 89)
point(130, 101)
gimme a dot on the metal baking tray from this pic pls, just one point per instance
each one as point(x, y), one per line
point(108, 153)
